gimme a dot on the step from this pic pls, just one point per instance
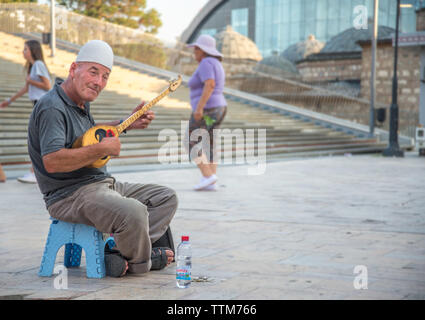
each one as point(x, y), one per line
point(177, 160)
point(129, 148)
point(20, 158)
point(125, 139)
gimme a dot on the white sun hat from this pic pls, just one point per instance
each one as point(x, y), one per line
point(96, 51)
point(207, 44)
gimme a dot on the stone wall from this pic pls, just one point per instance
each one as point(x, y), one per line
point(262, 84)
point(330, 70)
point(182, 60)
point(234, 67)
point(70, 26)
point(408, 80)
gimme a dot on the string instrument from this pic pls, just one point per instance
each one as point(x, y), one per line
point(97, 133)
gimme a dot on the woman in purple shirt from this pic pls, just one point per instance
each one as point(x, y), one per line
point(208, 108)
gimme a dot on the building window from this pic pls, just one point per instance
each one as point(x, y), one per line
point(240, 21)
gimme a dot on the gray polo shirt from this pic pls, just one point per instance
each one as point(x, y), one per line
point(55, 123)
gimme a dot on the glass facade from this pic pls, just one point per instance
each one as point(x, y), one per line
point(240, 14)
point(240, 21)
point(281, 23)
point(276, 24)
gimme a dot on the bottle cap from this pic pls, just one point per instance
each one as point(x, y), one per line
point(185, 238)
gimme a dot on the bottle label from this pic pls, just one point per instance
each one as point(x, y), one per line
point(183, 274)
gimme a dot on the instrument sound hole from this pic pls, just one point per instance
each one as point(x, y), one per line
point(100, 134)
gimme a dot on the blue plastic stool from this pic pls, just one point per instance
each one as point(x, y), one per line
point(75, 237)
point(110, 242)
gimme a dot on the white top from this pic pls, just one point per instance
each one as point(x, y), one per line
point(38, 69)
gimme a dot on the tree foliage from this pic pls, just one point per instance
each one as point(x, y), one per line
point(130, 13)
point(10, 1)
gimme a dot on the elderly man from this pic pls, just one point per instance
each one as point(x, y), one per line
point(137, 214)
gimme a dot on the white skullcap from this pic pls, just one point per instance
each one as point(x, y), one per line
point(96, 51)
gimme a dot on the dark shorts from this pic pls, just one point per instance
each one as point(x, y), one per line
point(216, 115)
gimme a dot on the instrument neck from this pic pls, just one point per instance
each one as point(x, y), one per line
point(129, 121)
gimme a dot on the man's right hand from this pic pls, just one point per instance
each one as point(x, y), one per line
point(111, 145)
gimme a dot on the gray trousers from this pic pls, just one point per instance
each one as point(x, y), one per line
point(137, 215)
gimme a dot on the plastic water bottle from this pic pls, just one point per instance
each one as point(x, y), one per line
point(184, 263)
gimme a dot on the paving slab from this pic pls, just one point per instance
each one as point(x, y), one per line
point(297, 231)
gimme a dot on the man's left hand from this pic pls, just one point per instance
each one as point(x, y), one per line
point(144, 121)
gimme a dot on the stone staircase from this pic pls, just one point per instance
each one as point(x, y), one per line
point(286, 136)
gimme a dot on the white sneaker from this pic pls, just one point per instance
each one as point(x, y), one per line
point(211, 187)
point(205, 182)
point(28, 178)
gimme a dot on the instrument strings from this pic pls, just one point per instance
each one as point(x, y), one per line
point(126, 123)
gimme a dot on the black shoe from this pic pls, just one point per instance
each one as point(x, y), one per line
point(115, 264)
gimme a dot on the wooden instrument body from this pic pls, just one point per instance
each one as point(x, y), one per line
point(95, 135)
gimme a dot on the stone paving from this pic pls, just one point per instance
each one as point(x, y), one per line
point(298, 231)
